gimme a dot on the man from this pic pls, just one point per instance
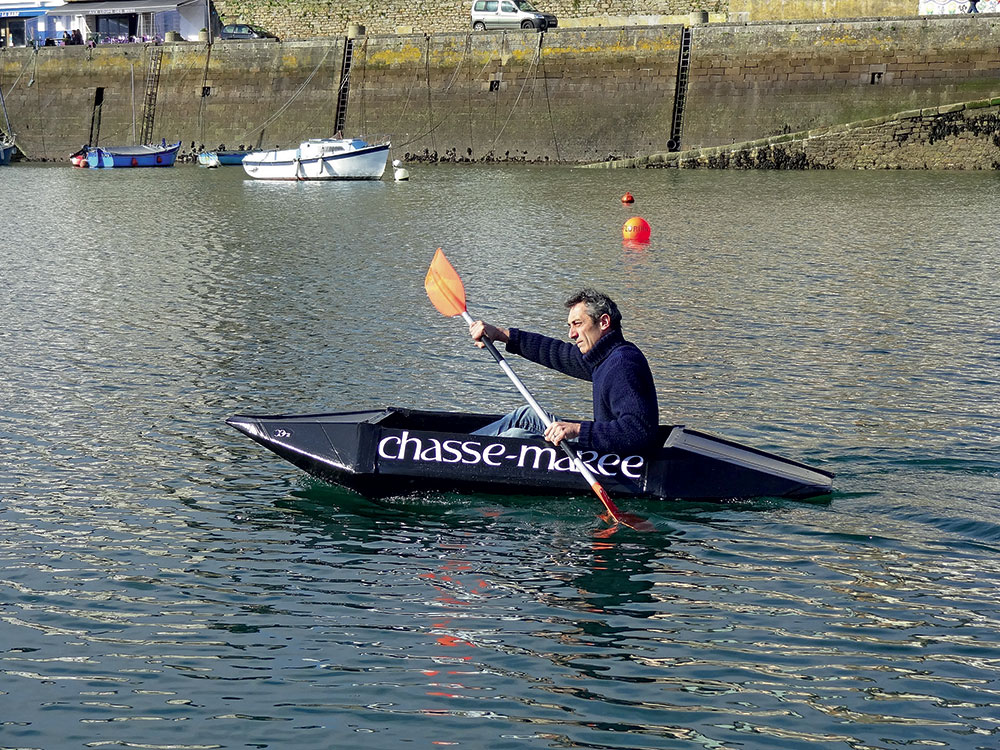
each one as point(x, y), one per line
point(626, 413)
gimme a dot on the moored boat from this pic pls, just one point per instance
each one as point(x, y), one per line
point(116, 157)
point(221, 158)
point(320, 159)
point(7, 143)
point(208, 159)
point(394, 451)
point(231, 158)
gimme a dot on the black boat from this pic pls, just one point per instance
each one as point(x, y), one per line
point(393, 451)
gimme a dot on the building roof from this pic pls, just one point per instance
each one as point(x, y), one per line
point(117, 8)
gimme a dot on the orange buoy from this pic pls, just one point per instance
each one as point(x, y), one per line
point(636, 229)
point(627, 198)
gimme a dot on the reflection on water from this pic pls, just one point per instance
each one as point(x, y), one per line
point(167, 583)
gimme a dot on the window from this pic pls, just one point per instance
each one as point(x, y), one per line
point(507, 7)
point(120, 27)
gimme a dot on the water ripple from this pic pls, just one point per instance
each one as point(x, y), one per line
point(167, 584)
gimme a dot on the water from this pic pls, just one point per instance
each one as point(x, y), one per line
point(166, 583)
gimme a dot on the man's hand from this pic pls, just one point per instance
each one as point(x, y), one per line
point(558, 431)
point(478, 329)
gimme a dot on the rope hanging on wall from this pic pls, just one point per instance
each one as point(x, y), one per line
point(291, 99)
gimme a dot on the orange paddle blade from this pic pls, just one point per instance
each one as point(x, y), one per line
point(444, 286)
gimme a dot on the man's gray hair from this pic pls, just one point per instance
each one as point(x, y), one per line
point(596, 304)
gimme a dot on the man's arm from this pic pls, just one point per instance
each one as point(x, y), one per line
point(544, 350)
point(549, 352)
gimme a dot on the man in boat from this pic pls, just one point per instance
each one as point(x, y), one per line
point(626, 412)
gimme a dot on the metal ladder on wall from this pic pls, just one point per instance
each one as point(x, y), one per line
point(152, 85)
point(345, 87)
point(680, 91)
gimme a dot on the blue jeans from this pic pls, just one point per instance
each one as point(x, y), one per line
point(520, 423)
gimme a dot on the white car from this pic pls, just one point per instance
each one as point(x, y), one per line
point(510, 14)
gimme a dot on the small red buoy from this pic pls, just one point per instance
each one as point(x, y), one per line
point(135, 162)
point(627, 198)
point(636, 229)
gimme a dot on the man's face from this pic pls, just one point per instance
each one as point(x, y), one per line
point(582, 328)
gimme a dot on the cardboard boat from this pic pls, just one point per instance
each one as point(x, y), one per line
point(396, 451)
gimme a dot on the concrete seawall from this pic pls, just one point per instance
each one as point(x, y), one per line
point(569, 95)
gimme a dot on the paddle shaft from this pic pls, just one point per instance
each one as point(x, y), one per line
point(581, 467)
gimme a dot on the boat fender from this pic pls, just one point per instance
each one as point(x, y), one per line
point(135, 162)
point(159, 159)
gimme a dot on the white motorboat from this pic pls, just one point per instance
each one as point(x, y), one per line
point(320, 159)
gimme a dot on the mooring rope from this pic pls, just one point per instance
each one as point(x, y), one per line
point(24, 67)
point(287, 104)
point(454, 77)
point(534, 63)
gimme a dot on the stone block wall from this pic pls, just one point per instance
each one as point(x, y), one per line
point(751, 81)
point(53, 115)
point(571, 96)
point(228, 93)
point(960, 136)
point(305, 19)
point(252, 93)
point(955, 136)
point(308, 19)
point(797, 10)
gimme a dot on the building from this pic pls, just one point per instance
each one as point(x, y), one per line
point(20, 21)
point(124, 21)
point(26, 23)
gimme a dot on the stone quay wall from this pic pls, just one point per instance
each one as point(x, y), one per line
point(569, 95)
point(573, 96)
point(961, 136)
point(227, 93)
point(751, 81)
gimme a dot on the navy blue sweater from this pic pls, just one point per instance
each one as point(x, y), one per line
point(626, 412)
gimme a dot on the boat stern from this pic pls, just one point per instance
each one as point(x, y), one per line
point(695, 465)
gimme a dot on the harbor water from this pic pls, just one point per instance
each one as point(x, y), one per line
point(167, 583)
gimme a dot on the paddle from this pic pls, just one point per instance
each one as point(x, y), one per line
point(447, 293)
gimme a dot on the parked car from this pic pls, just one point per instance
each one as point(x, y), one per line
point(510, 14)
point(244, 31)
